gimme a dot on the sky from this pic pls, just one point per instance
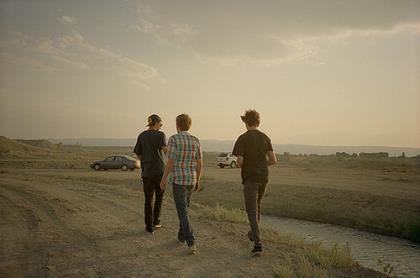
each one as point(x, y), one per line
point(319, 72)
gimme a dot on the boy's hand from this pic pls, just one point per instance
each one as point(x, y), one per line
point(197, 186)
point(163, 184)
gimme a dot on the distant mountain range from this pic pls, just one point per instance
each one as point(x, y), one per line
point(227, 145)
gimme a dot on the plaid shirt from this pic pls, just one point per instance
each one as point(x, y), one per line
point(184, 149)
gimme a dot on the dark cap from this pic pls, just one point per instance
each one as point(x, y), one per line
point(153, 119)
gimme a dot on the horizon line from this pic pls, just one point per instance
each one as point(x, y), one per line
point(233, 140)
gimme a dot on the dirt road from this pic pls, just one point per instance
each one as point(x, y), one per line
point(64, 223)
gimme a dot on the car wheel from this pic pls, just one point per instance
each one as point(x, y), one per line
point(132, 169)
point(233, 164)
point(124, 167)
point(97, 167)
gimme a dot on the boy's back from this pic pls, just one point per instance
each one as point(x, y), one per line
point(253, 145)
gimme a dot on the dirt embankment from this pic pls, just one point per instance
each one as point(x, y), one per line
point(67, 226)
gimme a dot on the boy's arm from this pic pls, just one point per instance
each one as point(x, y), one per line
point(172, 155)
point(138, 148)
point(168, 169)
point(240, 161)
point(163, 145)
point(199, 168)
point(272, 159)
point(238, 151)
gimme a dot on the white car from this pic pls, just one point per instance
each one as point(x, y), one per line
point(227, 159)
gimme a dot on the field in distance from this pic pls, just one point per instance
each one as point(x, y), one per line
point(381, 195)
point(61, 218)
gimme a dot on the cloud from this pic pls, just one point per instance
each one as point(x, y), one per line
point(270, 32)
point(146, 26)
point(68, 19)
point(7, 59)
point(72, 52)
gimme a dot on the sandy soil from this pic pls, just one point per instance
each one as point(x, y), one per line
point(55, 223)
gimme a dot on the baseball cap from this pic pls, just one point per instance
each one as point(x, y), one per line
point(153, 119)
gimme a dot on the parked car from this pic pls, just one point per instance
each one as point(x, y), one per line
point(123, 162)
point(227, 159)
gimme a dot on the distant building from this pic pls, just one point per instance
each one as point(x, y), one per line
point(342, 154)
point(377, 155)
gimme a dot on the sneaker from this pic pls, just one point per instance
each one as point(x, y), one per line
point(192, 249)
point(180, 242)
point(150, 231)
point(257, 251)
point(157, 226)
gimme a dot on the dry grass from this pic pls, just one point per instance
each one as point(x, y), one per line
point(314, 260)
point(377, 195)
point(299, 267)
point(221, 213)
point(336, 256)
point(307, 260)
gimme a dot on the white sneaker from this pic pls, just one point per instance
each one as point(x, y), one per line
point(180, 242)
point(192, 249)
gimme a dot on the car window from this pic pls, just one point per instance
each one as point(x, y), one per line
point(129, 158)
point(111, 158)
point(118, 158)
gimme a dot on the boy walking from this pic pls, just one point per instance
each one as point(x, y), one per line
point(149, 147)
point(252, 149)
point(184, 165)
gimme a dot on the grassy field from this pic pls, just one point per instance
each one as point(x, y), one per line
point(77, 222)
point(381, 195)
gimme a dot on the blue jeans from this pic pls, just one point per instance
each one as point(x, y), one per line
point(182, 202)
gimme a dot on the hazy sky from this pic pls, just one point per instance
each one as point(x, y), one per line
point(320, 72)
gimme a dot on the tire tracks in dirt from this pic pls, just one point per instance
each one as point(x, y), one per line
point(38, 206)
point(28, 251)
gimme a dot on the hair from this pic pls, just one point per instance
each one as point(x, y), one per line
point(184, 122)
point(251, 117)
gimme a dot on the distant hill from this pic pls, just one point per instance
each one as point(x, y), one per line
point(40, 143)
point(227, 145)
point(12, 146)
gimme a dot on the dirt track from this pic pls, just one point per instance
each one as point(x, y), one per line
point(64, 223)
point(57, 226)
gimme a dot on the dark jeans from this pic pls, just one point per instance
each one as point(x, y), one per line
point(182, 195)
point(253, 194)
point(151, 186)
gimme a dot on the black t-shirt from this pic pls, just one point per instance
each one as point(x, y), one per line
point(148, 147)
point(253, 145)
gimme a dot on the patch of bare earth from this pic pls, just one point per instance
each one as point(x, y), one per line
point(53, 226)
